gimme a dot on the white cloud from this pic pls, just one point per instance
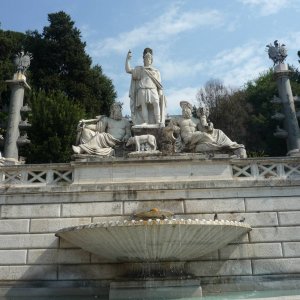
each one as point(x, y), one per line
point(292, 40)
point(174, 70)
point(86, 31)
point(168, 25)
point(238, 76)
point(233, 66)
point(268, 7)
point(174, 96)
point(238, 65)
point(126, 103)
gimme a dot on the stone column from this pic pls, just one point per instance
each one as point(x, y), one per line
point(17, 86)
point(286, 96)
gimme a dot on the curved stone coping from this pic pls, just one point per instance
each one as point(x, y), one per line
point(154, 240)
point(154, 222)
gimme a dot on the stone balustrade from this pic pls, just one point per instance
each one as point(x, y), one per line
point(191, 167)
point(266, 168)
point(36, 174)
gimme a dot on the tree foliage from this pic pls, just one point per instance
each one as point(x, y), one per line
point(54, 120)
point(261, 126)
point(61, 63)
point(10, 43)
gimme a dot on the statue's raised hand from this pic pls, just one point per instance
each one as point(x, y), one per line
point(129, 55)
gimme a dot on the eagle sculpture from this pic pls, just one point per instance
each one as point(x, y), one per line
point(277, 53)
point(22, 61)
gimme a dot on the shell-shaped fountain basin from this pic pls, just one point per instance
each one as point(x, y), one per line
point(154, 240)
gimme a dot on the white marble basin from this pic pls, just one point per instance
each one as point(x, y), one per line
point(154, 240)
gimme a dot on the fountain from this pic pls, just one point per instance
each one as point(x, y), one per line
point(154, 242)
point(152, 238)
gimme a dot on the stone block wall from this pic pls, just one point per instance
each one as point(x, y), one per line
point(30, 214)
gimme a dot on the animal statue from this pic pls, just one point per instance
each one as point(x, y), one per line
point(142, 142)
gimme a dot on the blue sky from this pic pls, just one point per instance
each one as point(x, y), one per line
point(193, 40)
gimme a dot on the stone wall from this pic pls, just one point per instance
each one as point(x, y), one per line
point(38, 200)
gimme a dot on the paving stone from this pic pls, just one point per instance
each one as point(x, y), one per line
point(272, 204)
point(14, 226)
point(21, 241)
point(83, 272)
point(275, 234)
point(291, 249)
point(289, 218)
point(30, 211)
point(55, 224)
point(246, 251)
point(220, 268)
point(215, 205)
point(58, 256)
point(13, 257)
point(276, 266)
point(91, 209)
point(28, 272)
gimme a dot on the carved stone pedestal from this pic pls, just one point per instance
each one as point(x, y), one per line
point(144, 153)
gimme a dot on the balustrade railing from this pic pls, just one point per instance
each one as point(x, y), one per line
point(36, 175)
point(268, 168)
point(57, 174)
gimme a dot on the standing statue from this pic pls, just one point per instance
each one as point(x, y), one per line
point(147, 102)
point(99, 136)
point(199, 135)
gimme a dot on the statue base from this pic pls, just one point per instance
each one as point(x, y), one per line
point(10, 161)
point(294, 153)
point(148, 126)
point(89, 157)
point(144, 153)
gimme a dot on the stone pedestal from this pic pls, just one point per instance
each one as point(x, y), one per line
point(155, 289)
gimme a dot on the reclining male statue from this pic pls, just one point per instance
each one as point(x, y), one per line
point(99, 136)
point(198, 135)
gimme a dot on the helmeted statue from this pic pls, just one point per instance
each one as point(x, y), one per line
point(147, 102)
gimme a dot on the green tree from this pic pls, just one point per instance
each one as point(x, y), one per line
point(61, 63)
point(261, 126)
point(54, 119)
point(10, 44)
